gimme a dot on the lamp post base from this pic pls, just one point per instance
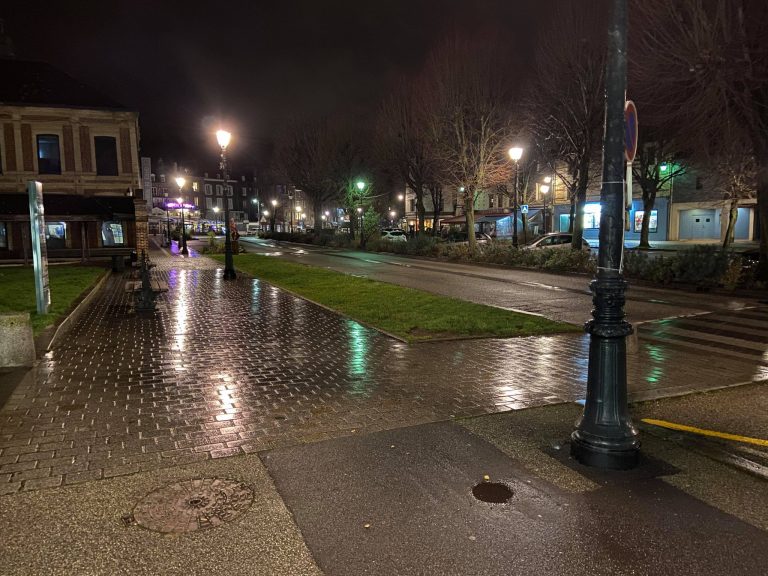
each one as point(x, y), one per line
point(590, 453)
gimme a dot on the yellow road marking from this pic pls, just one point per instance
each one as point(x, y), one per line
point(703, 432)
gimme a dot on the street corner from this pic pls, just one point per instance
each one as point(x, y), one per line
point(441, 499)
point(216, 517)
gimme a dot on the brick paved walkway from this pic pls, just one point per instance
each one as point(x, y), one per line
point(230, 367)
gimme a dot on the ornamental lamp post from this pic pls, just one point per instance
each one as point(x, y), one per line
point(216, 215)
point(168, 223)
point(605, 436)
point(515, 153)
point(544, 189)
point(360, 187)
point(180, 183)
point(274, 213)
point(223, 137)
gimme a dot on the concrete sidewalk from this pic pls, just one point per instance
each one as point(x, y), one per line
point(401, 502)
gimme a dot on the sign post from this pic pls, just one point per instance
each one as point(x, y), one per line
point(39, 247)
point(630, 149)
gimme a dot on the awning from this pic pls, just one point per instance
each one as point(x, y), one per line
point(491, 218)
point(70, 206)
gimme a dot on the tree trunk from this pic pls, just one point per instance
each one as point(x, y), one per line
point(733, 215)
point(581, 199)
point(469, 212)
point(572, 213)
point(437, 205)
point(649, 199)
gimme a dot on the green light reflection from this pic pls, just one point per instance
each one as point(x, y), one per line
point(357, 366)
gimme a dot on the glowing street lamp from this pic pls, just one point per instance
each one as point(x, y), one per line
point(515, 153)
point(216, 215)
point(180, 183)
point(223, 137)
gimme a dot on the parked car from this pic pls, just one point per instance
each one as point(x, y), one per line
point(460, 237)
point(393, 235)
point(555, 240)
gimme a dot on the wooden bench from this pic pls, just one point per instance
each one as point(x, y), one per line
point(156, 286)
point(117, 253)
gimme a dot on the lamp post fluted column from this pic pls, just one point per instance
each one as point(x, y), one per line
point(183, 237)
point(229, 267)
point(605, 436)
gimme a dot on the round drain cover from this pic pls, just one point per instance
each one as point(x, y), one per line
point(492, 492)
point(193, 505)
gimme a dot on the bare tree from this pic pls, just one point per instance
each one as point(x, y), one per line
point(306, 156)
point(657, 163)
point(565, 104)
point(405, 145)
point(709, 62)
point(732, 171)
point(470, 121)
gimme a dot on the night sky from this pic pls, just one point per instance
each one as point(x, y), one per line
point(252, 64)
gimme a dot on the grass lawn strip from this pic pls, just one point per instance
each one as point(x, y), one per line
point(410, 314)
point(67, 283)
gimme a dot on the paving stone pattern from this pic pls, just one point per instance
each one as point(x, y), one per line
point(225, 368)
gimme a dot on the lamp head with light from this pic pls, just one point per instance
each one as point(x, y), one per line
point(223, 137)
point(360, 185)
point(544, 188)
point(516, 153)
point(180, 182)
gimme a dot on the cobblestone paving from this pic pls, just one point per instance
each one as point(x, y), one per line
point(224, 368)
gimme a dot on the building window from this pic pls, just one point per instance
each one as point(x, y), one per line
point(3, 235)
point(106, 155)
point(208, 190)
point(48, 155)
point(56, 235)
point(229, 201)
point(591, 216)
point(652, 224)
point(162, 178)
point(220, 203)
point(245, 191)
point(195, 187)
point(413, 204)
point(209, 203)
point(230, 191)
point(112, 234)
point(219, 190)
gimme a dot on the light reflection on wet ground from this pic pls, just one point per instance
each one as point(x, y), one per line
point(225, 367)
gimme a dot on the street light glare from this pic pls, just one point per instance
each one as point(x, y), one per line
point(216, 209)
point(180, 200)
point(360, 185)
point(274, 202)
point(223, 137)
point(180, 182)
point(516, 153)
point(544, 188)
point(266, 212)
point(400, 197)
point(547, 179)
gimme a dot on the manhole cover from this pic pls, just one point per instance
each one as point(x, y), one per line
point(492, 492)
point(193, 505)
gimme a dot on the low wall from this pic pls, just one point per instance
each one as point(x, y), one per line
point(17, 346)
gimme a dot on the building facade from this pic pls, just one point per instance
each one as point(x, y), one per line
point(83, 148)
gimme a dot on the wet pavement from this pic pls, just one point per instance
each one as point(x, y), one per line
point(227, 368)
point(417, 514)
